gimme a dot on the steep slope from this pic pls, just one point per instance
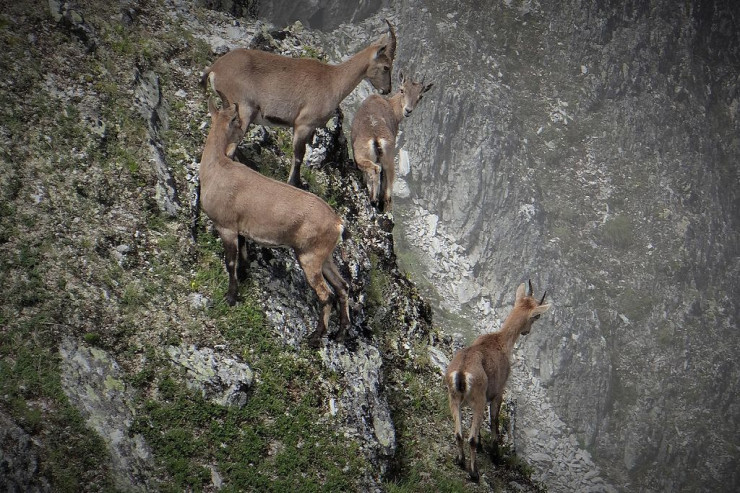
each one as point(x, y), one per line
point(595, 146)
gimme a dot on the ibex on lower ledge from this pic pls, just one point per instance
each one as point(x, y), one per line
point(374, 131)
point(477, 374)
point(243, 203)
point(301, 93)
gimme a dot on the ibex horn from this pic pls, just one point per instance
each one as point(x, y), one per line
point(393, 37)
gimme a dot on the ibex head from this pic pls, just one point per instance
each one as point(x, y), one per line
point(228, 122)
point(381, 65)
point(532, 309)
point(412, 92)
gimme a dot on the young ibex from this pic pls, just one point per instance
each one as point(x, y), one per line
point(477, 374)
point(374, 131)
point(243, 203)
point(301, 93)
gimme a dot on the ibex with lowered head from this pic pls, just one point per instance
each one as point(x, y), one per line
point(374, 131)
point(243, 203)
point(477, 374)
point(301, 93)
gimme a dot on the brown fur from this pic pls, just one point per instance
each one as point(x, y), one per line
point(374, 131)
point(243, 203)
point(484, 368)
point(301, 93)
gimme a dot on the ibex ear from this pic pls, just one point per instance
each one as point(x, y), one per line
point(520, 291)
point(380, 52)
point(401, 77)
point(231, 150)
point(540, 310)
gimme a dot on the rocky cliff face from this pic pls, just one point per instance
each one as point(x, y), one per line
point(594, 148)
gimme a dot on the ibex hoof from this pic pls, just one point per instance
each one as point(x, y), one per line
point(231, 300)
point(474, 476)
point(298, 184)
point(314, 340)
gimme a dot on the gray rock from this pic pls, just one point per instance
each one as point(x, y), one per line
point(19, 460)
point(361, 404)
point(220, 378)
point(439, 359)
point(94, 384)
point(153, 108)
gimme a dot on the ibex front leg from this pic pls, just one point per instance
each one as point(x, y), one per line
point(340, 287)
point(301, 136)
point(230, 240)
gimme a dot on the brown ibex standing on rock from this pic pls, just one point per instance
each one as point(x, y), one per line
point(243, 203)
point(374, 131)
point(301, 93)
point(477, 374)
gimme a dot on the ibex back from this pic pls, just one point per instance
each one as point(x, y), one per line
point(301, 93)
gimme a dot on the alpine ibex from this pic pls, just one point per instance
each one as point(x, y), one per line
point(477, 374)
point(301, 93)
point(243, 203)
point(374, 131)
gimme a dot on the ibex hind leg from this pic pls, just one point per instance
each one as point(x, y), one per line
point(341, 288)
point(388, 176)
point(372, 176)
point(455, 411)
point(478, 406)
point(316, 280)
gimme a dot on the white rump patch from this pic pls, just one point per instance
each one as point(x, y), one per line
point(383, 145)
point(371, 148)
point(468, 382)
point(453, 375)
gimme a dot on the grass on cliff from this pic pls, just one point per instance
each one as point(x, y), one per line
point(31, 394)
point(277, 441)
